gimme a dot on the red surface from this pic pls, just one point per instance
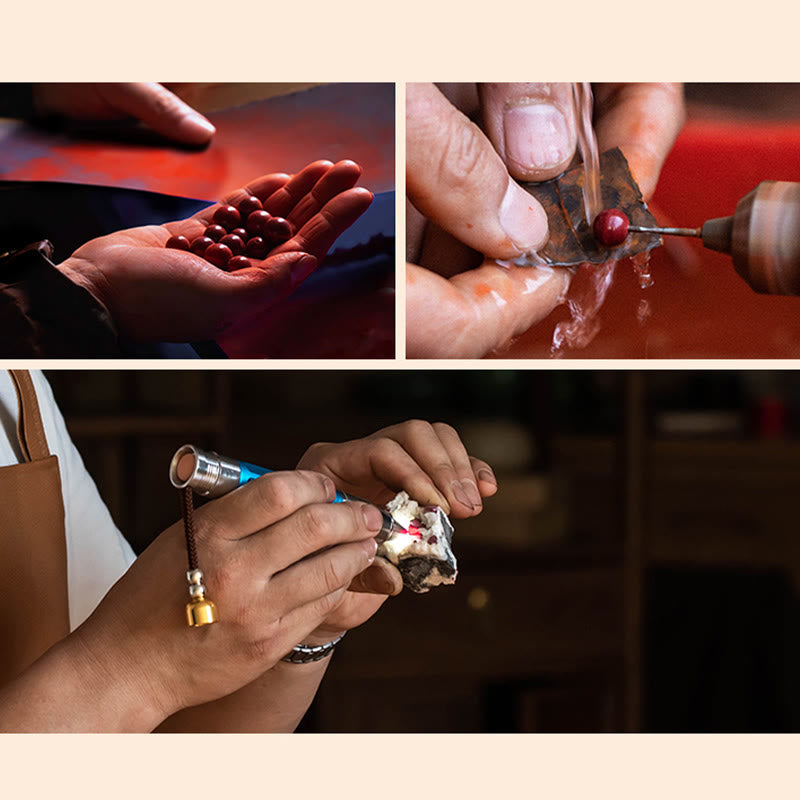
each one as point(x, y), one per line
point(700, 307)
point(279, 134)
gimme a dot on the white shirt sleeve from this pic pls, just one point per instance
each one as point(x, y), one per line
point(97, 553)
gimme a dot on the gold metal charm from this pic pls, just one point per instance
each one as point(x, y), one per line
point(200, 611)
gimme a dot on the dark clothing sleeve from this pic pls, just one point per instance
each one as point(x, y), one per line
point(44, 314)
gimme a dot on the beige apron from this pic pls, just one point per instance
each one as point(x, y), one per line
point(34, 610)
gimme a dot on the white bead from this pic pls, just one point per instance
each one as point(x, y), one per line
point(194, 576)
point(197, 590)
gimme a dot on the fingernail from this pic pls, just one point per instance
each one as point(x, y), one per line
point(372, 517)
point(485, 474)
point(370, 547)
point(472, 492)
point(460, 494)
point(522, 218)
point(302, 268)
point(536, 136)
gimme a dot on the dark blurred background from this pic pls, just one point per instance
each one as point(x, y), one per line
point(637, 571)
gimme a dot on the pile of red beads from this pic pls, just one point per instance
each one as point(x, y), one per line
point(237, 235)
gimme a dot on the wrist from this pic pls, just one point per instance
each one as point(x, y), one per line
point(114, 683)
point(67, 691)
point(84, 274)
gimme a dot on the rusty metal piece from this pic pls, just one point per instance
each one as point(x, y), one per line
point(571, 239)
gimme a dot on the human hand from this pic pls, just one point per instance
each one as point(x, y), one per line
point(533, 126)
point(429, 462)
point(277, 555)
point(155, 293)
point(150, 103)
point(459, 304)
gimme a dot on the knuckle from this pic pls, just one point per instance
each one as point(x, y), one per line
point(279, 491)
point(315, 527)
point(328, 604)
point(464, 153)
point(166, 103)
point(444, 430)
point(417, 427)
point(335, 575)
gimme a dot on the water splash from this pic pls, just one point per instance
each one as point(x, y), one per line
point(641, 265)
point(584, 300)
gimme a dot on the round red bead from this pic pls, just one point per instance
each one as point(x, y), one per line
point(257, 248)
point(201, 244)
point(218, 254)
point(278, 229)
point(227, 216)
point(610, 227)
point(240, 232)
point(249, 205)
point(178, 243)
point(236, 243)
point(257, 221)
point(238, 262)
point(215, 232)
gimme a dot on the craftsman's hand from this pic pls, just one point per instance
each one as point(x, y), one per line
point(458, 181)
point(156, 293)
point(459, 305)
point(429, 462)
point(277, 557)
point(533, 126)
point(150, 103)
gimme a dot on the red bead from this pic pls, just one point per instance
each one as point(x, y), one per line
point(215, 232)
point(178, 243)
point(228, 216)
point(278, 230)
point(257, 248)
point(201, 244)
point(236, 243)
point(257, 221)
point(218, 254)
point(238, 262)
point(241, 232)
point(610, 227)
point(249, 205)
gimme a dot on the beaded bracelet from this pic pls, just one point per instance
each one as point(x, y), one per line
point(305, 654)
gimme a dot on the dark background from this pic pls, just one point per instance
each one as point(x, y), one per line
point(637, 570)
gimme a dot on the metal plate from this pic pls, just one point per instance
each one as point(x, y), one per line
point(571, 239)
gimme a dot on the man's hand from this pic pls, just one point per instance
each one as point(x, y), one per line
point(156, 293)
point(461, 303)
point(151, 103)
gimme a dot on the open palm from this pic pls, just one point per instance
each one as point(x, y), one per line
point(155, 293)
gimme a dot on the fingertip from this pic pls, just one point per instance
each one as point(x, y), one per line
point(523, 219)
point(196, 129)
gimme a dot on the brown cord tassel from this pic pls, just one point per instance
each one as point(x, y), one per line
point(199, 610)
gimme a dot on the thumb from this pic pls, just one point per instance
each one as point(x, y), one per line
point(277, 277)
point(161, 110)
point(379, 578)
point(456, 178)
